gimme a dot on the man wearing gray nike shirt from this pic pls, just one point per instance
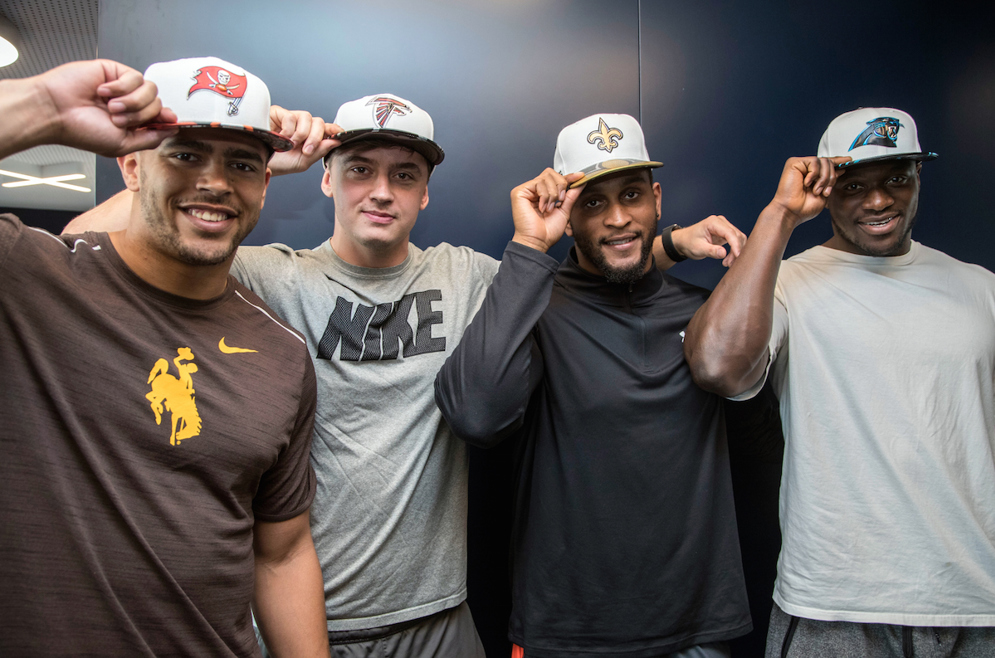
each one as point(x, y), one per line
point(381, 316)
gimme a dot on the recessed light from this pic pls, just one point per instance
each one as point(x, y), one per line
point(10, 40)
point(26, 180)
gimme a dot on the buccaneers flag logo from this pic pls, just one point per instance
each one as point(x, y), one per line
point(221, 81)
point(384, 107)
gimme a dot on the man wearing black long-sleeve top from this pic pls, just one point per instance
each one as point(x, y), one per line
point(624, 539)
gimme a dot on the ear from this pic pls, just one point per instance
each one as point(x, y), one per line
point(262, 201)
point(129, 170)
point(326, 183)
point(657, 194)
point(568, 229)
point(424, 199)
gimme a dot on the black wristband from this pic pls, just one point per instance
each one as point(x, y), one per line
point(668, 244)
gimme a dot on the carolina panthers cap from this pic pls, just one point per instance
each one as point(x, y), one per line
point(390, 117)
point(207, 92)
point(872, 133)
point(601, 144)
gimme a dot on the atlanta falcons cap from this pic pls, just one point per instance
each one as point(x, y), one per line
point(390, 117)
point(872, 133)
point(601, 144)
point(207, 92)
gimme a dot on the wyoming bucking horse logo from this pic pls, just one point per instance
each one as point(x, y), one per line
point(175, 394)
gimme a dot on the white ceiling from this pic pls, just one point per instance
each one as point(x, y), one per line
point(52, 32)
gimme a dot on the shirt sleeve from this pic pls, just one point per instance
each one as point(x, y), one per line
point(287, 489)
point(484, 387)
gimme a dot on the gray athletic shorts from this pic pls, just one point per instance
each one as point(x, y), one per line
point(446, 634)
point(710, 650)
point(797, 637)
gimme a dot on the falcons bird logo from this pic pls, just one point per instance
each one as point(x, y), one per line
point(384, 107)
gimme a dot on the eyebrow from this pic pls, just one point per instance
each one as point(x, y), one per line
point(355, 158)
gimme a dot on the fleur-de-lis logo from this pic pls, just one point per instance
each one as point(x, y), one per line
point(607, 136)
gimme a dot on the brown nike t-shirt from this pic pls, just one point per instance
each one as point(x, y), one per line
point(141, 436)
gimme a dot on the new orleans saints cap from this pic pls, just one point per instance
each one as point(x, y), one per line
point(207, 92)
point(390, 117)
point(869, 134)
point(601, 144)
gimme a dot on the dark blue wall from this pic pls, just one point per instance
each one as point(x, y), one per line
point(726, 91)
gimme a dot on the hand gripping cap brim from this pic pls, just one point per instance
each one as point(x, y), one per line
point(207, 92)
point(873, 134)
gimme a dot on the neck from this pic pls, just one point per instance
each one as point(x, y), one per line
point(164, 271)
point(362, 256)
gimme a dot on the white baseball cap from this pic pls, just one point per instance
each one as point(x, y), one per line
point(207, 92)
point(601, 144)
point(872, 133)
point(386, 116)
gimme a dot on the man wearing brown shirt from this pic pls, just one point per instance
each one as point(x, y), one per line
point(156, 415)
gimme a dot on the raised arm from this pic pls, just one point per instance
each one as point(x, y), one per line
point(289, 599)
point(485, 385)
point(95, 105)
point(726, 341)
point(701, 240)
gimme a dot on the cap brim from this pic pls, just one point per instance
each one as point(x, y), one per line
point(610, 167)
point(921, 157)
point(429, 149)
point(273, 140)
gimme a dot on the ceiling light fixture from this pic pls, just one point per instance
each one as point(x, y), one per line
point(10, 42)
point(55, 181)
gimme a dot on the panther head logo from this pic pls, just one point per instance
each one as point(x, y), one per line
point(882, 131)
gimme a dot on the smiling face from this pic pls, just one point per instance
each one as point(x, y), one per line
point(200, 194)
point(613, 224)
point(873, 208)
point(378, 192)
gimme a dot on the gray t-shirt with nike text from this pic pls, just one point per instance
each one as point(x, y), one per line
point(389, 515)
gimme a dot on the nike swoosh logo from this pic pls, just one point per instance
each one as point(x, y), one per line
point(232, 350)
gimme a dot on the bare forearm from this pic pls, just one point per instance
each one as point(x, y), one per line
point(27, 121)
point(289, 604)
point(726, 341)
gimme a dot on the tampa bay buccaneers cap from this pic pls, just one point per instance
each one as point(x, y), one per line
point(601, 144)
point(869, 134)
point(390, 117)
point(207, 92)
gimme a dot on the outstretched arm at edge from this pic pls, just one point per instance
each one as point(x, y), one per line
point(726, 340)
point(95, 105)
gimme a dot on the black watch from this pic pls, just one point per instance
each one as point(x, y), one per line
point(668, 244)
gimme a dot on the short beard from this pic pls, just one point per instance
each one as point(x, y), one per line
point(167, 239)
point(628, 274)
point(877, 253)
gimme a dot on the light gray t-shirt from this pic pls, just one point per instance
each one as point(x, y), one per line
point(389, 515)
point(885, 369)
